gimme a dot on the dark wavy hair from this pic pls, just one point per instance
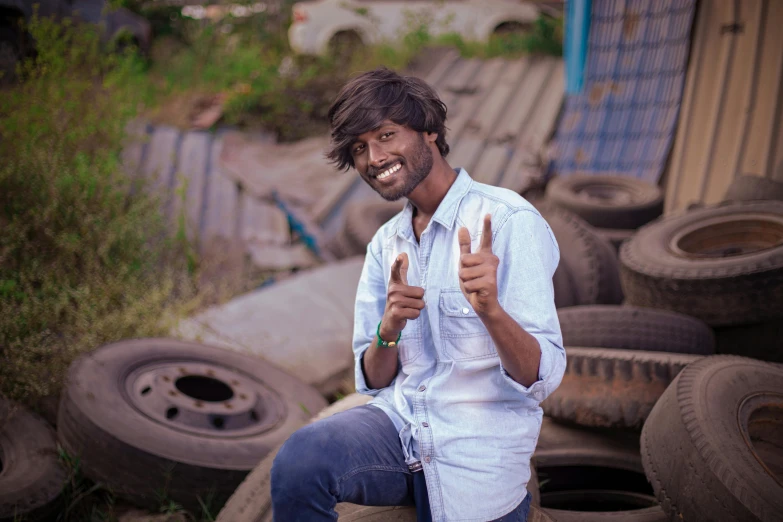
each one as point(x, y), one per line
point(372, 97)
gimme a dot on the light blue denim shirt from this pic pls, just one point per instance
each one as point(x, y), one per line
point(457, 410)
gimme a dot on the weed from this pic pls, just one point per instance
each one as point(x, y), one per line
point(84, 260)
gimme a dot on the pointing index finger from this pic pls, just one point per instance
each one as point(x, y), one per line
point(486, 236)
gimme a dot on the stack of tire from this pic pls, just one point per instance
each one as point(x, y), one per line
point(645, 392)
point(156, 421)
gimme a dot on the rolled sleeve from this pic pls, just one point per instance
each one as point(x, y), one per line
point(528, 248)
point(370, 303)
point(550, 372)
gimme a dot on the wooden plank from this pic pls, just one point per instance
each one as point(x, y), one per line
point(537, 132)
point(190, 179)
point(281, 257)
point(733, 108)
point(438, 73)
point(134, 144)
point(471, 100)
point(490, 166)
point(161, 159)
point(702, 86)
point(497, 100)
point(481, 124)
point(221, 213)
point(335, 192)
point(465, 153)
point(458, 82)
point(263, 223)
point(518, 110)
point(759, 157)
point(530, 147)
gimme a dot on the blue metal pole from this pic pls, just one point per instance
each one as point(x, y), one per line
point(577, 29)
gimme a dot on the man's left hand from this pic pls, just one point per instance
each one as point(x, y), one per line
point(478, 271)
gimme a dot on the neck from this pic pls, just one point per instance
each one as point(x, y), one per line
point(428, 194)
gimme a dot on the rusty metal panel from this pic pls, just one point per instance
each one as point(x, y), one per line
point(731, 117)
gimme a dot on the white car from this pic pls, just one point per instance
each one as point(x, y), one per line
point(318, 24)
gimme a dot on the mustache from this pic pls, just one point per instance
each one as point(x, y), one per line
point(374, 171)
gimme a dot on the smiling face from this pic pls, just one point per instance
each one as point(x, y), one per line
point(393, 159)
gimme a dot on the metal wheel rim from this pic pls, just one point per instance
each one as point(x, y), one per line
point(155, 390)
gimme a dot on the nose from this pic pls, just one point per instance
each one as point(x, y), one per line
point(377, 155)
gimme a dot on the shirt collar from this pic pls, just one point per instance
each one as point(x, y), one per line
point(446, 213)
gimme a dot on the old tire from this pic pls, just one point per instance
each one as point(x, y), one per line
point(635, 328)
point(615, 236)
point(595, 475)
point(721, 264)
point(564, 288)
point(408, 514)
point(160, 416)
point(588, 258)
point(364, 218)
point(722, 421)
point(752, 188)
point(31, 477)
point(252, 500)
point(762, 341)
point(607, 201)
point(612, 388)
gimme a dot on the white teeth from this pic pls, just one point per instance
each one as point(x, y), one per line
point(389, 172)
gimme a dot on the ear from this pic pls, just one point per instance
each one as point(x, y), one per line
point(430, 137)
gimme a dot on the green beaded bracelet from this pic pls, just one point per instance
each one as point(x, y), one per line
point(381, 342)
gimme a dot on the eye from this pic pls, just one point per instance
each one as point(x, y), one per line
point(358, 149)
point(387, 134)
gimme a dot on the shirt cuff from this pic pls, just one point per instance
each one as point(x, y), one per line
point(361, 382)
point(539, 390)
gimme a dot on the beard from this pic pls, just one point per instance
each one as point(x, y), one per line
point(417, 166)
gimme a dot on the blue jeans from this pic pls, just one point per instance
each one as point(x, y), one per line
point(354, 456)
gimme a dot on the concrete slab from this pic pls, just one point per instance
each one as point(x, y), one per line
point(303, 324)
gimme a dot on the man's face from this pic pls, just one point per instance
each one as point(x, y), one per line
point(392, 159)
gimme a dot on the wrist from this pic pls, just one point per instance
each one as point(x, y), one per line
point(492, 312)
point(387, 336)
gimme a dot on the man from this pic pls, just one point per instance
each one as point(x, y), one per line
point(455, 334)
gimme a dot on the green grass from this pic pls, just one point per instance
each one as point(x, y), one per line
point(83, 259)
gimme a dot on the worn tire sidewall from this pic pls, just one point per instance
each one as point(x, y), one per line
point(695, 426)
point(647, 201)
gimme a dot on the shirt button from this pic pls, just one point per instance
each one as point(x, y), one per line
point(427, 460)
point(465, 311)
point(422, 388)
point(425, 424)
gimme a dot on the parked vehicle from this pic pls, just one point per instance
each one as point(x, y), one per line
point(321, 24)
point(120, 26)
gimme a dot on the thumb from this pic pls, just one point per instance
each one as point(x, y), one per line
point(399, 272)
point(463, 236)
point(404, 268)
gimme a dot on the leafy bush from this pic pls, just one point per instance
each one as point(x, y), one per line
point(85, 257)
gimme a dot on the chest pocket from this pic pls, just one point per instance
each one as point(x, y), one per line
point(464, 335)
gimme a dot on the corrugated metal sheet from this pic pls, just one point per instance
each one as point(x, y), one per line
point(623, 120)
point(732, 112)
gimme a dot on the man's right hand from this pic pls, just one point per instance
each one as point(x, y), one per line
point(403, 302)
